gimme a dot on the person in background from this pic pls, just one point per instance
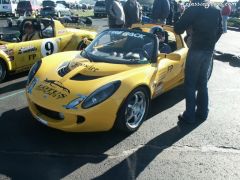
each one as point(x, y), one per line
point(238, 8)
point(179, 9)
point(29, 32)
point(111, 19)
point(171, 13)
point(160, 11)
point(133, 12)
point(206, 26)
point(226, 11)
point(115, 14)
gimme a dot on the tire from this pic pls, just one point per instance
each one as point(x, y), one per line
point(138, 113)
point(87, 21)
point(3, 70)
point(210, 69)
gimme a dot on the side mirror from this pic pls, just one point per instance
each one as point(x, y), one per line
point(160, 56)
point(174, 56)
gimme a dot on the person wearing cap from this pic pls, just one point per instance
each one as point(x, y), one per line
point(160, 11)
point(160, 33)
point(163, 46)
point(30, 32)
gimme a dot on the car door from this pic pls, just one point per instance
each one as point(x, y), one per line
point(30, 51)
point(170, 70)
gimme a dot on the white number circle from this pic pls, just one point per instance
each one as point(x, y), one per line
point(49, 47)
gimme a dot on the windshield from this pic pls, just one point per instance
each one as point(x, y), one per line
point(121, 46)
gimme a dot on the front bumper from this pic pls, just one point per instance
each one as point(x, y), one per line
point(98, 118)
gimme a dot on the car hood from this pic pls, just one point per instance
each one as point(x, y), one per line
point(79, 68)
point(65, 76)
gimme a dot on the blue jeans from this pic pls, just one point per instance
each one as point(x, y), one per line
point(196, 78)
point(224, 22)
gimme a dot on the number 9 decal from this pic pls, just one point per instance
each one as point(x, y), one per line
point(49, 47)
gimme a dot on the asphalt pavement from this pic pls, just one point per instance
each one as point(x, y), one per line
point(161, 149)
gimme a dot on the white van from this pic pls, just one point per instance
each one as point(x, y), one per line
point(8, 7)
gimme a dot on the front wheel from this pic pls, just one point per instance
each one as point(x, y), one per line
point(3, 71)
point(210, 69)
point(134, 110)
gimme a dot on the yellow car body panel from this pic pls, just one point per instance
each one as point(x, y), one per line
point(20, 56)
point(158, 77)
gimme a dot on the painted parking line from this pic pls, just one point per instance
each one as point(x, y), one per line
point(10, 95)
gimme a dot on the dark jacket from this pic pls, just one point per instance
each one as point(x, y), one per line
point(111, 20)
point(133, 13)
point(206, 24)
point(161, 9)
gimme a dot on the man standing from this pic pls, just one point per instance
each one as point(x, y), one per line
point(206, 26)
point(160, 11)
point(116, 16)
point(133, 12)
point(226, 11)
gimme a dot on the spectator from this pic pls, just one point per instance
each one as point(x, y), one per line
point(179, 9)
point(171, 13)
point(110, 18)
point(133, 12)
point(226, 11)
point(238, 8)
point(160, 11)
point(206, 25)
point(116, 16)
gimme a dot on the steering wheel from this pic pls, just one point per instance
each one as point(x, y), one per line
point(141, 52)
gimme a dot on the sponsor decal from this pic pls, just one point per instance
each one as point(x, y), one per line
point(31, 85)
point(170, 68)
point(53, 88)
point(29, 49)
point(128, 34)
point(74, 65)
point(32, 56)
point(62, 31)
point(158, 88)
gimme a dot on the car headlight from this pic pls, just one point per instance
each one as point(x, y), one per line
point(33, 71)
point(101, 94)
point(75, 102)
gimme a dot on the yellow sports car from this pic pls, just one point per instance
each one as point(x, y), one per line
point(17, 56)
point(108, 84)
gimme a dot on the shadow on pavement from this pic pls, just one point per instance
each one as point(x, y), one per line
point(13, 87)
point(30, 150)
point(233, 60)
point(133, 165)
point(13, 83)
